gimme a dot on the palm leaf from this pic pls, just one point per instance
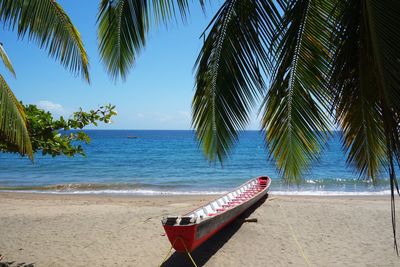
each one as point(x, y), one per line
point(6, 60)
point(12, 121)
point(365, 81)
point(381, 24)
point(46, 23)
point(295, 110)
point(165, 10)
point(229, 69)
point(123, 26)
point(356, 93)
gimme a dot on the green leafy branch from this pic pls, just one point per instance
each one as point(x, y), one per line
point(54, 137)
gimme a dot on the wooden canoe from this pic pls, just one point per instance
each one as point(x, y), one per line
point(189, 231)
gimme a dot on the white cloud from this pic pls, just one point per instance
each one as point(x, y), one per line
point(170, 119)
point(54, 108)
point(139, 115)
point(163, 117)
point(184, 114)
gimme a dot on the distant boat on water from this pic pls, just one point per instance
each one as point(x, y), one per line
point(132, 137)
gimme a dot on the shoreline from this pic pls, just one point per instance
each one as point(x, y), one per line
point(33, 195)
point(122, 193)
point(104, 230)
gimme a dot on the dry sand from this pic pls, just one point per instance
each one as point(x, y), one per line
point(65, 230)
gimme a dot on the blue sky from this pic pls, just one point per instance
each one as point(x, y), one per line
point(156, 95)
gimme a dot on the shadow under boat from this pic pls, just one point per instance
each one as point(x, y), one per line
point(205, 251)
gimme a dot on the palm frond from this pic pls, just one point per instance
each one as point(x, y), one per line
point(366, 81)
point(165, 10)
point(229, 72)
point(382, 38)
point(295, 110)
point(123, 26)
point(12, 121)
point(356, 93)
point(6, 61)
point(47, 24)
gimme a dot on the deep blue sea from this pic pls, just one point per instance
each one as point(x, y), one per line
point(171, 162)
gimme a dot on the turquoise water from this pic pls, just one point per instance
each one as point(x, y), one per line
point(171, 162)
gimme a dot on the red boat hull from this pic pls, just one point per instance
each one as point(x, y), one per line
point(189, 237)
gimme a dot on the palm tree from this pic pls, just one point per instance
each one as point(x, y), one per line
point(302, 62)
point(45, 23)
point(12, 116)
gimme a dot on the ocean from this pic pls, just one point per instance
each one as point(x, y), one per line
point(171, 162)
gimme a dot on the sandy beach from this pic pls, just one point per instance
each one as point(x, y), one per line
point(87, 230)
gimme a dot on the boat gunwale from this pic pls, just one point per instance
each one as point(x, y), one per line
point(204, 219)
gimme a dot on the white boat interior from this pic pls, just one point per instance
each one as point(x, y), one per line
point(228, 201)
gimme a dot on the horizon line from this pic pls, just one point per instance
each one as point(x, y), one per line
point(94, 129)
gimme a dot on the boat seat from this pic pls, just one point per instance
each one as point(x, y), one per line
point(255, 188)
point(187, 220)
point(212, 206)
point(170, 220)
point(205, 210)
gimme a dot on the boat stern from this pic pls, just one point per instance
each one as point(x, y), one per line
point(182, 237)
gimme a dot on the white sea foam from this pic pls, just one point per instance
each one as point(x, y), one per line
point(330, 193)
point(142, 192)
point(121, 192)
